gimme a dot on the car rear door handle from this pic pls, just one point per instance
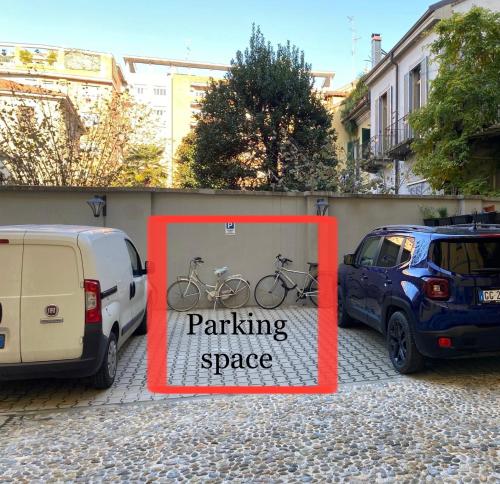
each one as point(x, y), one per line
point(364, 277)
point(388, 282)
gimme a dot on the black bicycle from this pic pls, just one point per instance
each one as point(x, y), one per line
point(271, 290)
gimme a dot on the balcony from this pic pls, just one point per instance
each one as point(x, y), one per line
point(394, 143)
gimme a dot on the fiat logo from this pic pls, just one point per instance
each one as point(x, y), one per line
point(51, 310)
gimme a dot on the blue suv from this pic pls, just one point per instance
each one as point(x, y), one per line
point(432, 291)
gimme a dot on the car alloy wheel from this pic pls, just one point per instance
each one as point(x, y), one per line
point(398, 343)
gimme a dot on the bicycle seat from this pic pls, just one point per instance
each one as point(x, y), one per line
point(220, 271)
point(313, 264)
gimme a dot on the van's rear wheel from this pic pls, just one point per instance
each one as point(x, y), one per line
point(105, 377)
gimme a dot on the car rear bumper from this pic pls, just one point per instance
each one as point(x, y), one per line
point(94, 347)
point(465, 340)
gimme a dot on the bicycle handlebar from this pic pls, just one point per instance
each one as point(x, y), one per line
point(283, 260)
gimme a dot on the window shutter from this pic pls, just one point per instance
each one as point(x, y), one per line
point(378, 125)
point(424, 80)
point(407, 93)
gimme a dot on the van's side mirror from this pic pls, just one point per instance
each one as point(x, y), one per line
point(349, 259)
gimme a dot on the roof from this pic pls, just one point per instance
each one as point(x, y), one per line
point(55, 229)
point(432, 8)
point(6, 85)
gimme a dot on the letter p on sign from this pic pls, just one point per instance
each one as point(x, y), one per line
point(230, 228)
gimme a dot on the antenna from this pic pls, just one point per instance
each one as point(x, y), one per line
point(354, 40)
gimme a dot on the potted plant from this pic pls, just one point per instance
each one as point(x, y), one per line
point(429, 214)
point(444, 219)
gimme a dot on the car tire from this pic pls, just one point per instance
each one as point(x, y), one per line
point(142, 329)
point(343, 319)
point(403, 352)
point(105, 377)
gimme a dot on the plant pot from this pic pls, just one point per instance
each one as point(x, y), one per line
point(461, 219)
point(444, 221)
point(486, 217)
point(431, 222)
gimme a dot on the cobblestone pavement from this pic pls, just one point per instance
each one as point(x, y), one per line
point(428, 429)
point(362, 359)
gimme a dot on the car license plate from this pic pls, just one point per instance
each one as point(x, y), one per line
point(2, 341)
point(490, 296)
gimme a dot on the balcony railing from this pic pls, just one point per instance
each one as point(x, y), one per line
point(394, 142)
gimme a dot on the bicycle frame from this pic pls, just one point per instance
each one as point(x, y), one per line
point(308, 278)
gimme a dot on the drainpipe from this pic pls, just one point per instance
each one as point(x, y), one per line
point(397, 174)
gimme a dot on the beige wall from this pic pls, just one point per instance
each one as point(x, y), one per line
point(252, 250)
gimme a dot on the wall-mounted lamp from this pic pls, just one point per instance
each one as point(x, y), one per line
point(321, 206)
point(98, 205)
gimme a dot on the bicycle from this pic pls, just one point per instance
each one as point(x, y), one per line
point(184, 294)
point(271, 290)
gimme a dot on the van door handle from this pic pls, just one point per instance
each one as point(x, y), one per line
point(132, 289)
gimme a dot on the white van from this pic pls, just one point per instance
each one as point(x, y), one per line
point(70, 296)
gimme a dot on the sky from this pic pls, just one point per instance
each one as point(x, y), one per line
point(213, 30)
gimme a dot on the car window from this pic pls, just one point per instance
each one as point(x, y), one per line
point(389, 252)
point(467, 256)
point(368, 252)
point(135, 260)
point(407, 250)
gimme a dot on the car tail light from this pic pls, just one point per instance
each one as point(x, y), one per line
point(4, 241)
point(444, 342)
point(437, 288)
point(92, 301)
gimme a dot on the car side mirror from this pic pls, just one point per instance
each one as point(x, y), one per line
point(349, 259)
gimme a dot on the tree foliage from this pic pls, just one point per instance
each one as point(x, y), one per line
point(264, 125)
point(143, 166)
point(464, 101)
point(44, 142)
point(184, 161)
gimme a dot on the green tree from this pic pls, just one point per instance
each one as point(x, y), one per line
point(463, 102)
point(184, 160)
point(143, 167)
point(249, 120)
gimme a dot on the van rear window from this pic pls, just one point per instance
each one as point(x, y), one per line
point(467, 256)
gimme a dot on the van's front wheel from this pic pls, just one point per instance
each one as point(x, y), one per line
point(105, 377)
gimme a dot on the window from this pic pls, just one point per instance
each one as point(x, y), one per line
point(159, 91)
point(135, 260)
point(415, 90)
point(368, 252)
point(392, 247)
point(467, 256)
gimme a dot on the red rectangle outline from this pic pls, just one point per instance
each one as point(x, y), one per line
point(157, 305)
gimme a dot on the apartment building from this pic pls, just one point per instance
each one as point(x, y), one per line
point(174, 90)
point(399, 84)
point(84, 76)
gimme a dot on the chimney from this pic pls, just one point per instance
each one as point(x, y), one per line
point(376, 49)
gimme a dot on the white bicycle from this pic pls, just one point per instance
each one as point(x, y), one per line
point(184, 294)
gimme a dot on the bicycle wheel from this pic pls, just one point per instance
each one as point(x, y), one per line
point(313, 288)
point(270, 292)
point(183, 295)
point(234, 293)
